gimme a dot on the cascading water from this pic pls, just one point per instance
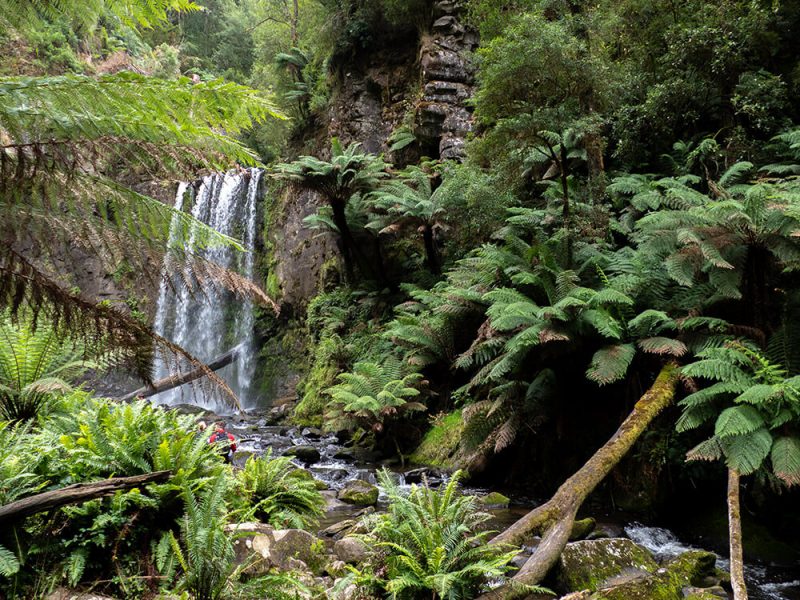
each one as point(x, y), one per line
point(210, 324)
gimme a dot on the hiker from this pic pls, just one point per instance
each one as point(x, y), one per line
point(226, 443)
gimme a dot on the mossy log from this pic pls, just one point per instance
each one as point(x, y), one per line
point(73, 494)
point(554, 519)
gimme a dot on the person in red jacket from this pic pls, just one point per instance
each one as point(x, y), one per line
point(224, 441)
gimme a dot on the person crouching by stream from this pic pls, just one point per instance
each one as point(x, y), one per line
point(225, 442)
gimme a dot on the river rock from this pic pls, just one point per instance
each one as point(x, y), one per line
point(668, 582)
point(586, 565)
point(312, 433)
point(582, 528)
point(420, 474)
point(285, 549)
point(351, 592)
point(307, 454)
point(344, 454)
point(494, 499)
point(351, 550)
point(240, 457)
point(358, 492)
point(697, 593)
point(337, 529)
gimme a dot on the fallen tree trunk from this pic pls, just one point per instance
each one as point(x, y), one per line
point(173, 381)
point(79, 492)
point(555, 518)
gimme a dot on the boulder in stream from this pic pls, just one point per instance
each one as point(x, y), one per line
point(285, 549)
point(358, 492)
point(306, 454)
point(588, 564)
point(351, 550)
point(618, 569)
point(494, 499)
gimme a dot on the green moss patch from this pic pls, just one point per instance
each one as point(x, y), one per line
point(439, 447)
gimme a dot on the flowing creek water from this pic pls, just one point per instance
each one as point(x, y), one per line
point(339, 464)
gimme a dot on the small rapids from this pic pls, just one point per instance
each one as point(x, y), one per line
point(761, 579)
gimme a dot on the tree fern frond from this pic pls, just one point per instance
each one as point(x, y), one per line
point(746, 453)
point(785, 458)
point(611, 363)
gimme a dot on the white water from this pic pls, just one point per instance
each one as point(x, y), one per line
point(664, 545)
point(211, 323)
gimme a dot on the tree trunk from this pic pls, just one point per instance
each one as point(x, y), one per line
point(173, 381)
point(431, 255)
point(566, 214)
point(295, 22)
point(73, 494)
point(593, 144)
point(555, 518)
point(735, 535)
point(346, 237)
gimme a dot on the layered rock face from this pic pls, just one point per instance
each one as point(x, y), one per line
point(443, 119)
point(431, 79)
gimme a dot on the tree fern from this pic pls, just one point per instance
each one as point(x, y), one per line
point(611, 363)
point(372, 394)
point(785, 457)
point(753, 399)
point(39, 362)
point(349, 172)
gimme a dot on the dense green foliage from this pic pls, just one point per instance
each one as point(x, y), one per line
point(85, 439)
point(38, 364)
point(629, 198)
point(279, 492)
point(752, 402)
point(429, 543)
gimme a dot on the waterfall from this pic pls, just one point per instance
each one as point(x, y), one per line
point(209, 324)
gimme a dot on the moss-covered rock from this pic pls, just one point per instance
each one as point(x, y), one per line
point(303, 474)
point(494, 499)
point(359, 493)
point(667, 583)
point(713, 593)
point(439, 447)
point(589, 564)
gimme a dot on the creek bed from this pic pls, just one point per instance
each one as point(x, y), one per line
point(339, 464)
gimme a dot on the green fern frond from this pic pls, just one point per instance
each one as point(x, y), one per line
point(785, 457)
point(611, 363)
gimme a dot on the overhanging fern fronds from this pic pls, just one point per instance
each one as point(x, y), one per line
point(146, 14)
point(66, 143)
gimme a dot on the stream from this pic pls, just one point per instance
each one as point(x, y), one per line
point(338, 464)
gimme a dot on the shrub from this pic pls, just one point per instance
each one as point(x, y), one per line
point(372, 394)
point(428, 544)
point(280, 493)
point(204, 553)
point(92, 437)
